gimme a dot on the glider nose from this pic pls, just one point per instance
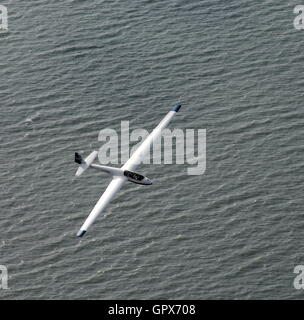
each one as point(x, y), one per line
point(148, 181)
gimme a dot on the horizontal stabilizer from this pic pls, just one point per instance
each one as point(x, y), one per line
point(84, 164)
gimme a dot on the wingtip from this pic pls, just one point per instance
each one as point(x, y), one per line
point(176, 107)
point(81, 233)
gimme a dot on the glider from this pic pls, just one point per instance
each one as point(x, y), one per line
point(123, 174)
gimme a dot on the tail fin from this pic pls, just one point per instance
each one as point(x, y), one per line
point(84, 164)
point(78, 158)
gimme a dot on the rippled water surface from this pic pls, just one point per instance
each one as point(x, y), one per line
point(71, 68)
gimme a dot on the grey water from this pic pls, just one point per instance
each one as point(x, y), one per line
point(71, 68)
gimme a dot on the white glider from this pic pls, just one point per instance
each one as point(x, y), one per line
point(123, 174)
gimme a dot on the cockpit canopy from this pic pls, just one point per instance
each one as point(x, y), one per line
point(137, 178)
point(133, 175)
